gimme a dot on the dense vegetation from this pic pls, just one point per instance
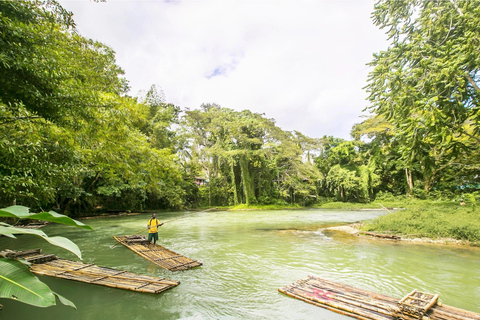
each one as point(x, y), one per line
point(72, 139)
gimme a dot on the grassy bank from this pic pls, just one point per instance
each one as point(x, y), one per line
point(431, 219)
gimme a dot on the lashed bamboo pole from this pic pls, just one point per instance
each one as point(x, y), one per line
point(355, 289)
point(341, 305)
point(322, 305)
point(335, 308)
point(137, 278)
point(364, 304)
point(455, 310)
point(160, 256)
point(379, 299)
point(447, 313)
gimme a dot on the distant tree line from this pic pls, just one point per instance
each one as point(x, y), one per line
point(71, 138)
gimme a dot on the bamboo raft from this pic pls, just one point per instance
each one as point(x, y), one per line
point(51, 265)
point(366, 305)
point(157, 254)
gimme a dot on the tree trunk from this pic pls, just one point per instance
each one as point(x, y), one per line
point(245, 179)
point(234, 183)
point(408, 174)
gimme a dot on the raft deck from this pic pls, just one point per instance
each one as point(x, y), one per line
point(51, 265)
point(366, 305)
point(157, 254)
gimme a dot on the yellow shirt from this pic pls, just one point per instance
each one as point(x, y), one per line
point(152, 225)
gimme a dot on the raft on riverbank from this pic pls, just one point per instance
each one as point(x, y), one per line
point(366, 305)
point(51, 265)
point(157, 254)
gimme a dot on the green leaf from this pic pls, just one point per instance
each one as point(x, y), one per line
point(65, 301)
point(22, 212)
point(18, 283)
point(61, 242)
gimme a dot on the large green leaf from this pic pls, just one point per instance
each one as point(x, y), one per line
point(22, 212)
point(18, 283)
point(57, 241)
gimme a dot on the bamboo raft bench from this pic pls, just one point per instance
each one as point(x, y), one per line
point(51, 265)
point(366, 305)
point(157, 254)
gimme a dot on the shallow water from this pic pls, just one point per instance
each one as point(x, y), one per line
point(247, 256)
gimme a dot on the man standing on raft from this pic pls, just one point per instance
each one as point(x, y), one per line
point(152, 226)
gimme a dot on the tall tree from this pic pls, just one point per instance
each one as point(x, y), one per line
point(248, 155)
point(47, 69)
point(427, 83)
point(68, 134)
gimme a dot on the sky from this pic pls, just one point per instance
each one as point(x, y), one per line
point(299, 62)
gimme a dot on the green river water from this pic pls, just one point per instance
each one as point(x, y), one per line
point(247, 256)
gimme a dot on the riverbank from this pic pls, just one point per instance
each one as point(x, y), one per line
point(433, 221)
point(356, 229)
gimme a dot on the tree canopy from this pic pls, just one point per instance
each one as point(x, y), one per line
point(71, 138)
point(426, 85)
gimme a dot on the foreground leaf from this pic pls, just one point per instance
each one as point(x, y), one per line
point(65, 301)
point(61, 242)
point(18, 283)
point(22, 212)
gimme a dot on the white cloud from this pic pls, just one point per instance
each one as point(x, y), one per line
point(301, 62)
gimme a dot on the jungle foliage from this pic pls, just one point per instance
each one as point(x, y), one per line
point(72, 139)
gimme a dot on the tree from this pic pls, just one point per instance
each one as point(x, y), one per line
point(162, 121)
point(69, 136)
point(246, 154)
point(378, 145)
point(48, 70)
point(54, 86)
point(426, 83)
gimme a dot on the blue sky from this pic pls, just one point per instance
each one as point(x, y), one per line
point(300, 62)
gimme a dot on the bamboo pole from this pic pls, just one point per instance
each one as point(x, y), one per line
point(455, 310)
point(363, 304)
point(162, 257)
point(374, 295)
point(374, 305)
point(440, 313)
point(137, 279)
point(353, 315)
point(432, 302)
point(304, 290)
point(352, 290)
point(383, 307)
point(343, 308)
point(126, 238)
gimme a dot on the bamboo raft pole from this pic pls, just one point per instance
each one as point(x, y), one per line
point(366, 305)
point(50, 265)
point(157, 254)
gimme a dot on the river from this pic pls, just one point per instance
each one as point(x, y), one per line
point(247, 256)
